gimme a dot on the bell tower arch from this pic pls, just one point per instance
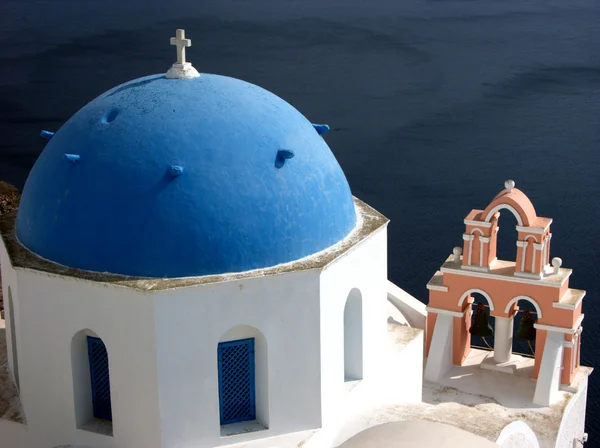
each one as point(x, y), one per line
point(480, 239)
point(553, 320)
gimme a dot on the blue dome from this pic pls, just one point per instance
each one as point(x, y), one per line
point(184, 177)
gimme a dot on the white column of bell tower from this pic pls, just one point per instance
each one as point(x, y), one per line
point(503, 338)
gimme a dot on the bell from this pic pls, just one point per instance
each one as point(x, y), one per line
point(526, 328)
point(481, 323)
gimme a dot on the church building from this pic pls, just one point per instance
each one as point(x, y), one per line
point(188, 268)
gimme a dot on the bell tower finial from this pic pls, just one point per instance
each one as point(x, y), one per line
point(509, 185)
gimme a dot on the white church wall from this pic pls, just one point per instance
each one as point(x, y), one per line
point(572, 425)
point(13, 434)
point(190, 322)
point(405, 372)
point(11, 305)
point(53, 311)
point(262, 367)
point(360, 272)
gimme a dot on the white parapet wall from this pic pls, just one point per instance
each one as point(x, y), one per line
point(411, 308)
point(572, 426)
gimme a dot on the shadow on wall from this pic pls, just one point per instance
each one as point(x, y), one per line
point(353, 337)
point(10, 408)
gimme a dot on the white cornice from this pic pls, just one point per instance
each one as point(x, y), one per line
point(530, 275)
point(475, 268)
point(437, 288)
point(478, 223)
point(561, 329)
point(506, 278)
point(534, 229)
point(447, 312)
point(568, 306)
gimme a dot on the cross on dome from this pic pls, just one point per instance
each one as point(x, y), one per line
point(181, 69)
point(181, 42)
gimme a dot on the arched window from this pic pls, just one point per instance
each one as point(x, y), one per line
point(91, 382)
point(353, 337)
point(243, 378)
point(13, 339)
point(476, 247)
point(529, 255)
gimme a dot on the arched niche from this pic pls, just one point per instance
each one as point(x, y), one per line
point(260, 375)
point(353, 336)
point(93, 404)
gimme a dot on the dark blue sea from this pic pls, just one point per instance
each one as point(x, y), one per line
point(433, 104)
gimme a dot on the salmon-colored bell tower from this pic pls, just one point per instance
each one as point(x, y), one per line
point(474, 268)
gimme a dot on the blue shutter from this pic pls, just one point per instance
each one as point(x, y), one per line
point(99, 378)
point(236, 381)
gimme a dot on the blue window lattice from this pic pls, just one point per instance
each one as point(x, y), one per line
point(236, 381)
point(99, 378)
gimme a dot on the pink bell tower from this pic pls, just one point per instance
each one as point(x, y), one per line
point(533, 244)
point(474, 268)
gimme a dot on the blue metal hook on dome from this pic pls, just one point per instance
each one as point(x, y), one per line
point(72, 157)
point(321, 128)
point(47, 134)
point(282, 156)
point(176, 170)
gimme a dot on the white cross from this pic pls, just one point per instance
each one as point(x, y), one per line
point(181, 42)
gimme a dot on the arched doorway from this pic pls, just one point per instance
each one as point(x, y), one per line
point(353, 337)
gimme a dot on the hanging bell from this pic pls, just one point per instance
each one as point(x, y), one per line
point(481, 323)
point(526, 328)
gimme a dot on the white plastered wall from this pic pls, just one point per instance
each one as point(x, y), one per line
point(548, 381)
point(9, 283)
point(51, 310)
point(190, 322)
point(439, 360)
point(362, 270)
point(572, 425)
